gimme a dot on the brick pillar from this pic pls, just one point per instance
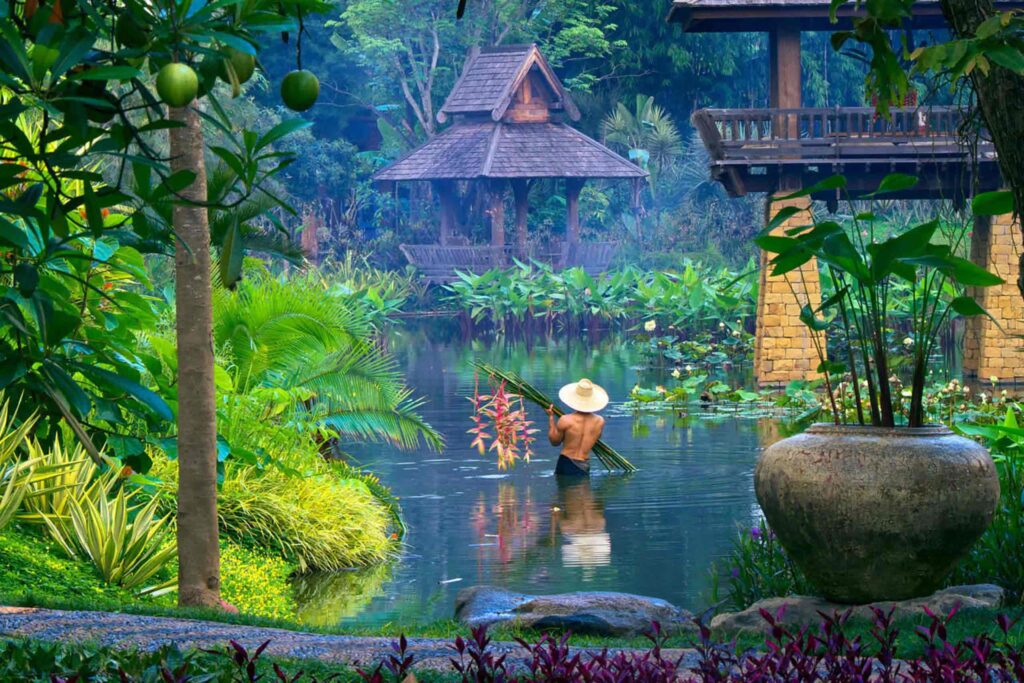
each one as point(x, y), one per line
point(783, 347)
point(989, 351)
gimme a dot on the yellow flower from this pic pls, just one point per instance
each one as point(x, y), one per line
point(650, 326)
point(676, 373)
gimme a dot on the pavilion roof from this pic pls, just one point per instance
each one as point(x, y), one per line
point(491, 77)
point(810, 15)
point(500, 149)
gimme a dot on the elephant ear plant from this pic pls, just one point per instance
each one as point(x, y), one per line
point(867, 263)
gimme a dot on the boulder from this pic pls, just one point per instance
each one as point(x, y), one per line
point(597, 613)
point(802, 610)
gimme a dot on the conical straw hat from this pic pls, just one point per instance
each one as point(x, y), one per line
point(584, 396)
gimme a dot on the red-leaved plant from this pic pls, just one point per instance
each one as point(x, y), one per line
point(499, 418)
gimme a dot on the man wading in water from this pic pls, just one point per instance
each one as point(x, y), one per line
point(577, 432)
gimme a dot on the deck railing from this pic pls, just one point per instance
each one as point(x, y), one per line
point(837, 133)
point(438, 263)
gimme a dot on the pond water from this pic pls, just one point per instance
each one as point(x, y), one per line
point(656, 532)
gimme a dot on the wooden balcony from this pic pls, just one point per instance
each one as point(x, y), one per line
point(767, 150)
point(438, 263)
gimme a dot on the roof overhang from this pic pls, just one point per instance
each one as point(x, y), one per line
point(718, 16)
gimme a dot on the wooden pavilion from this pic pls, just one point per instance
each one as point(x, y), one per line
point(508, 114)
point(787, 146)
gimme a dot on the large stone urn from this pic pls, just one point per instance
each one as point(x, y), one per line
point(873, 513)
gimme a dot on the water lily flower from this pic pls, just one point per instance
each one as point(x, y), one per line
point(907, 341)
point(660, 389)
point(993, 379)
point(689, 368)
point(650, 326)
point(721, 325)
point(735, 333)
point(676, 373)
point(967, 389)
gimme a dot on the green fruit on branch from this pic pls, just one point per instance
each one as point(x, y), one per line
point(130, 33)
point(243, 64)
point(177, 84)
point(299, 90)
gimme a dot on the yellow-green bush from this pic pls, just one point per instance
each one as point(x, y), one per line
point(256, 582)
point(315, 519)
point(278, 493)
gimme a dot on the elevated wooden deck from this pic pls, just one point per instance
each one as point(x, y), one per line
point(438, 263)
point(764, 150)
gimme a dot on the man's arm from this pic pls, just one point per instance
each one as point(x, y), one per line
point(555, 435)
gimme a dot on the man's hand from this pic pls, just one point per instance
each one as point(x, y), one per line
point(550, 410)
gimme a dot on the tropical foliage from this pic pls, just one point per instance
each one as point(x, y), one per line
point(299, 343)
point(532, 296)
point(863, 262)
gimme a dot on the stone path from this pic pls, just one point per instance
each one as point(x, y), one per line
point(130, 630)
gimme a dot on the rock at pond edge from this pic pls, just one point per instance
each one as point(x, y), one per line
point(802, 610)
point(593, 613)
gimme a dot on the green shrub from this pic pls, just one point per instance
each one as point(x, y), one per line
point(316, 519)
point(998, 557)
point(128, 543)
point(18, 476)
point(256, 582)
point(759, 568)
point(32, 566)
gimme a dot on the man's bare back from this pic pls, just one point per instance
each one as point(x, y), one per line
point(576, 433)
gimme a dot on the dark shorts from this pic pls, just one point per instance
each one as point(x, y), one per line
point(573, 468)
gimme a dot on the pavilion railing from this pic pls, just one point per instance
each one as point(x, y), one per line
point(829, 133)
point(438, 263)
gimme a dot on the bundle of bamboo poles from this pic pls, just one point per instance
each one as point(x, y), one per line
point(609, 457)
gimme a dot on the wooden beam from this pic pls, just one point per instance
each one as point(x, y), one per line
point(445, 190)
point(573, 186)
point(521, 195)
point(496, 196)
point(784, 74)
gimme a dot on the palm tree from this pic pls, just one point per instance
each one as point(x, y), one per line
point(648, 134)
point(294, 336)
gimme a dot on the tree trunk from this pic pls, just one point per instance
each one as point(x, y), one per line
point(1000, 94)
point(198, 546)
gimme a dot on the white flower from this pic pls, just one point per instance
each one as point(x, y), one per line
point(967, 389)
point(650, 326)
point(993, 379)
point(735, 333)
point(983, 396)
point(907, 341)
point(676, 373)
point(689, 368)
point(721, 325)
point(1004, 392)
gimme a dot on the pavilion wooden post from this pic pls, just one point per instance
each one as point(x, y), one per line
point(445, 190)
point(496, 210)
point(573, 187)
point(784, 77)
point(521, 195)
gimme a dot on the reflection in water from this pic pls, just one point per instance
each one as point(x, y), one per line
point(655, 532)
point(579, 517)
point(325, 598)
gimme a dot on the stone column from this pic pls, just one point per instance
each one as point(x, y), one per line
point(784, 348)
point(988, 350)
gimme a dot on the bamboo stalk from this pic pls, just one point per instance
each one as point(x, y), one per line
point(609, 457)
